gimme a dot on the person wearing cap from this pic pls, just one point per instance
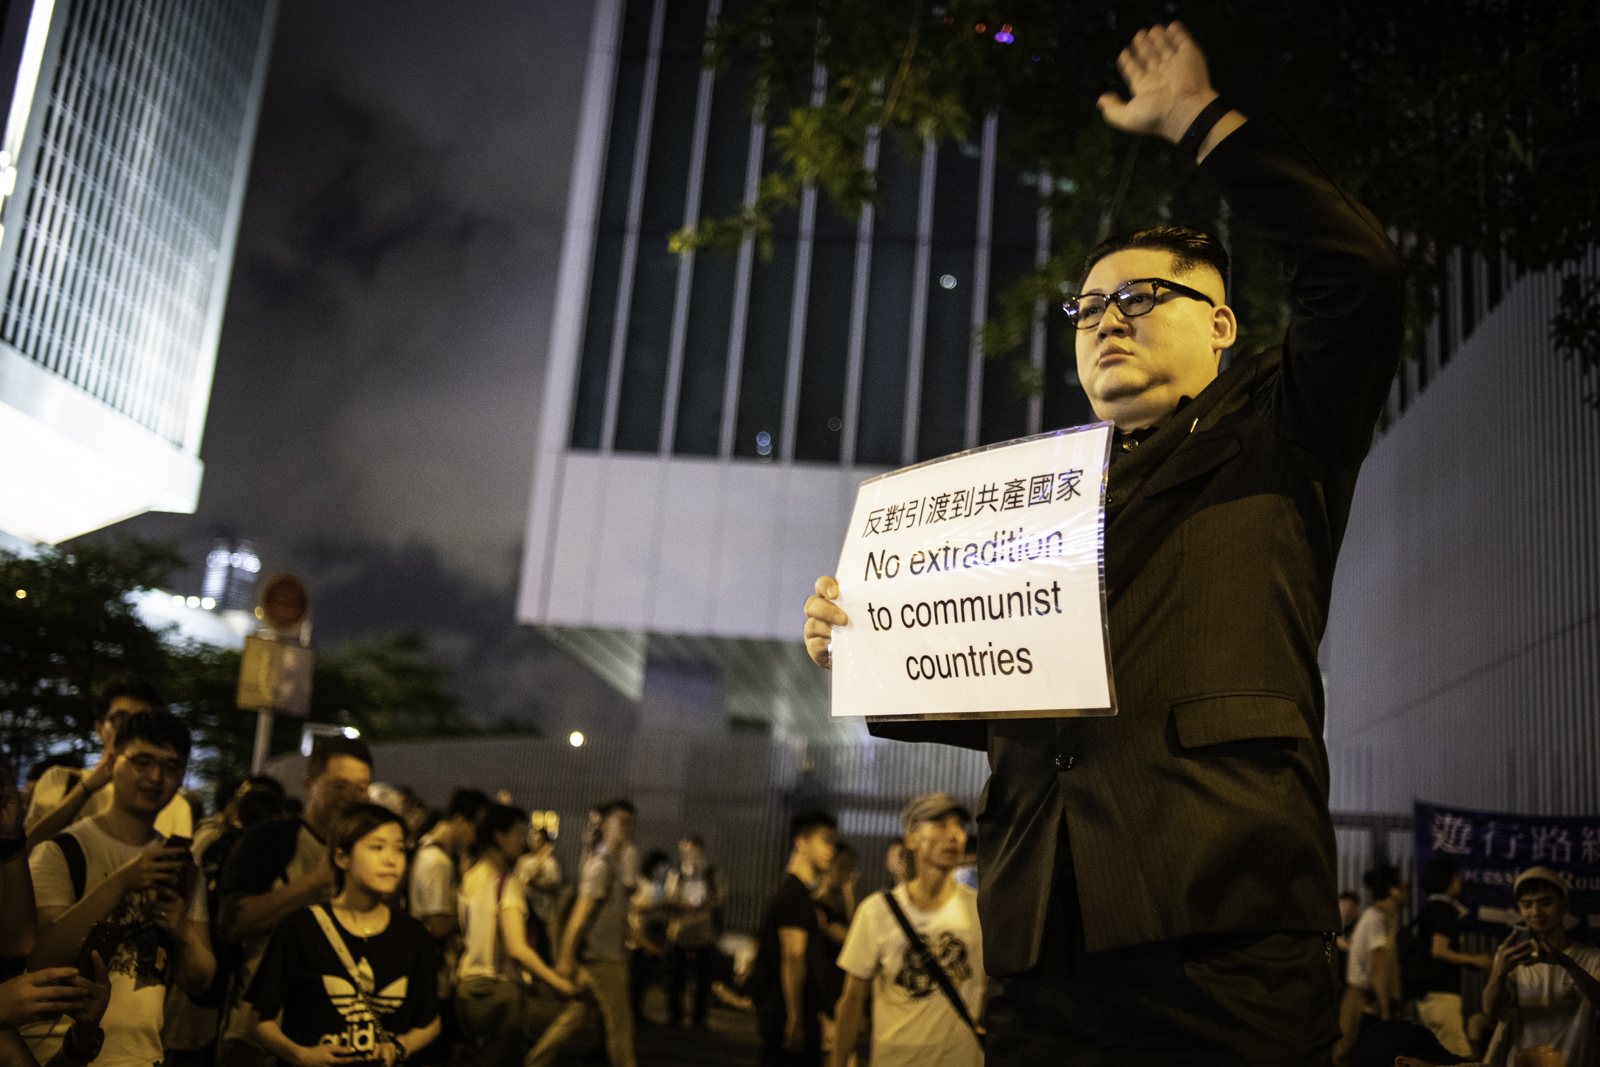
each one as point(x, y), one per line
point(1401, 1044)
point(1544, 987)
point(913, 1023)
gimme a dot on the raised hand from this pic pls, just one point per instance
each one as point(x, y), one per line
point(822, 615)
point(1514, 951)
point(41, 996)
point(148, 870)
point(1167, 80)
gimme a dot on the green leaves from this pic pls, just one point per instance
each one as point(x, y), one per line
point(1458, 125)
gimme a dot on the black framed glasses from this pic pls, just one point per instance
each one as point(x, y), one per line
point(168, 768)
point(1133, 299)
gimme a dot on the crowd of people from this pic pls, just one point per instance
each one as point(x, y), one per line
point(340, 930)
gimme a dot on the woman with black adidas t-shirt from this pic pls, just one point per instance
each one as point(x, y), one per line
point(353, 982)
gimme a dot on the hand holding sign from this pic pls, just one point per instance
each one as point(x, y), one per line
point(822, 615)
point(972, 586)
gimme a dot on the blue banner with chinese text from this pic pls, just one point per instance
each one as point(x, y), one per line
point(1492, 848)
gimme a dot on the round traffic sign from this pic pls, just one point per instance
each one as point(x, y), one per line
point(284, 602)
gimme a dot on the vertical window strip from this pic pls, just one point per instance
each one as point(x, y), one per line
point(980, 277)
point(691, 215)
point(919, 303)
point(858, 316)
point(802, 289)
point(741, 294)
point(1041, 308)
point(630, 238)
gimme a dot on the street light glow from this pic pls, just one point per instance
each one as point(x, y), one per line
point(22, 594)
point(351, 732)
point(575, 739)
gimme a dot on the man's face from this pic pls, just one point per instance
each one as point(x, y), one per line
point(1543, 910)
point(146, 778)
point(690, 853)
point(939, 842)
point(340, 787)
point(1134, 370)
point(818, 847)
point(1348, 910)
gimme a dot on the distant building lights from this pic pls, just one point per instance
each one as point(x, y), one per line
point(575, 739)
point(763, 448)
point(947, 281)
point(1003, 34)
point(177, 599)
point(351, 732)
point(193, 602)
point(207, 603)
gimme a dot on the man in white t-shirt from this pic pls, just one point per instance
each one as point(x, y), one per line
point(113, 868)
point(1544, 988)
point(65, 795)
point(1372, 973)
point(914, 1024)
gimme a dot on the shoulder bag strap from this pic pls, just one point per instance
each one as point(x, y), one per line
point(332, 933)
point(930, 962)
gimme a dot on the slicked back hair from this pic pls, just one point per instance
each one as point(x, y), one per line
point(327, 747)
point(1190, 249)
point(124, 685)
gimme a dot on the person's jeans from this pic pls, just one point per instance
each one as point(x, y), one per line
point(605, 989)
point(1441, 1013)
point(490, 1012)
point(680, 960)
point(1256, 999)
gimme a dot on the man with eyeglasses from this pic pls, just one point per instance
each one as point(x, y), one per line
point(1158, 886)
point(114, 867)
point(64, 795)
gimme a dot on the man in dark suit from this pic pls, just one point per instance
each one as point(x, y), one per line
point(1158, 887)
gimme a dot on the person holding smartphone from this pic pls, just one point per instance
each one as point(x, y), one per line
point(1544, 987)
point(352, 981)
point(116, 868)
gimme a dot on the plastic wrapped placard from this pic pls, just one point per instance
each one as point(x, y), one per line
point(975, 586)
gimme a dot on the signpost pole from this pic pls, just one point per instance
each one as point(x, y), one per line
point(263, 740)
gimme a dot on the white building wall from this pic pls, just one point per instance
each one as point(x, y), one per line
point(1463, 649)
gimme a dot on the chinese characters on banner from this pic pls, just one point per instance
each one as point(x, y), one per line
point(974, 585)
point(1492, 848)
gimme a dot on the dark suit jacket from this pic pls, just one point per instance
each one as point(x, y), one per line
point(1203, 805)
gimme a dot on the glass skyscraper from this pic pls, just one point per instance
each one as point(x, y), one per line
point(126, 150)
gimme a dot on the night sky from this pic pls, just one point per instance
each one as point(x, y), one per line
point(377, 385)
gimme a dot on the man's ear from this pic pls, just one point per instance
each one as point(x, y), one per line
point(1224, 329)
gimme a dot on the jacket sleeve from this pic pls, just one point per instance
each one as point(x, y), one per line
point(962, 733)
point(1346, 286)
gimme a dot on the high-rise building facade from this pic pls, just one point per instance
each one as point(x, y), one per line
point(122, 171)
point(706, 419)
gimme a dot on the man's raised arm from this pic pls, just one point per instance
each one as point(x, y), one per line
point(1347, 285)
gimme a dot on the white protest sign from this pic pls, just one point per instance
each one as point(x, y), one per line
point(974, 585)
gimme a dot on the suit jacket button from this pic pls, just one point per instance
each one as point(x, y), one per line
point(1064, 762)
